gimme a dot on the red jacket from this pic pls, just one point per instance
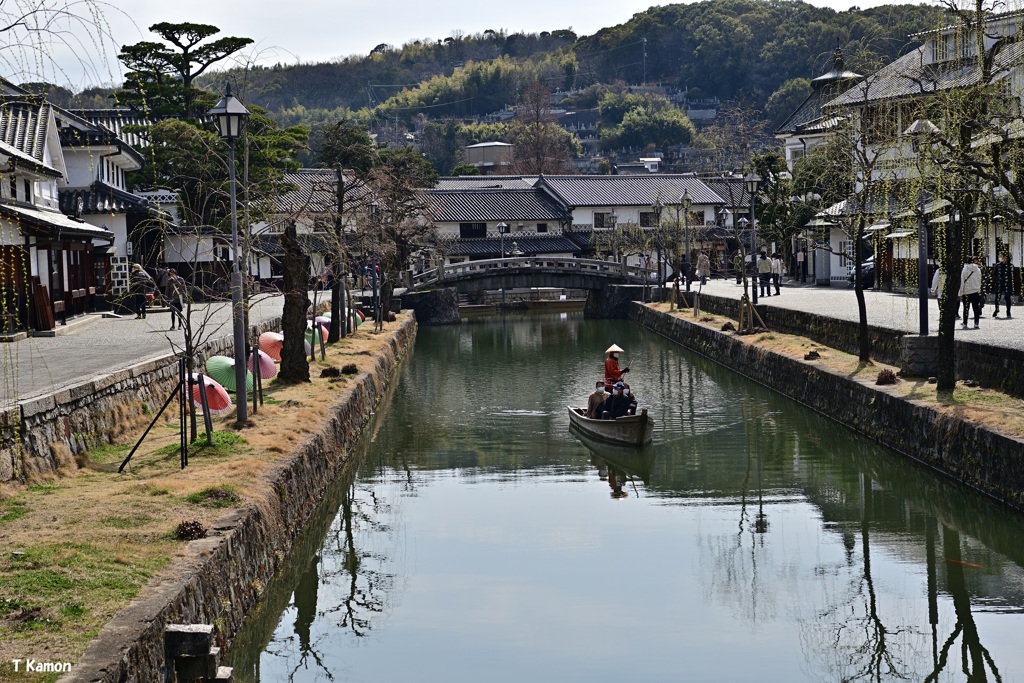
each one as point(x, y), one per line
point(612, 373)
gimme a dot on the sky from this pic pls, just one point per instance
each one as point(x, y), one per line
point(322, 30)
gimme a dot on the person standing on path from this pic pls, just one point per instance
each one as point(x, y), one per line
point(777, 271)
point(764, 274)
point(1002, 281)
point(175, 291)
point(141, 287)
point(703, 267)
point(970, 290)
point(737, 264)
point(801, 266)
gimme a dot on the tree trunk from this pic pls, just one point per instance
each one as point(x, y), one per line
point(337, 327)
point(294, 366)
point(863, 337)
point(949, 305)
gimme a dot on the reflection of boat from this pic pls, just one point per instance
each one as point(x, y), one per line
point(634, 461)
point(631, 430)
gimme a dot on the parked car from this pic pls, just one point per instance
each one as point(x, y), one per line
point(867, 273)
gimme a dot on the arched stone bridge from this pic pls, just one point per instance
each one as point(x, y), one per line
point(536, 271)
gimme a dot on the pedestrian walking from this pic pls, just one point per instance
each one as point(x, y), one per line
point(737, 264)
point(801, 265)
point(703, 267)
point(764, 274)
point(1002, 280)
point(777, 269)
point(175, 291)
point(970, 290)
point(141, 284)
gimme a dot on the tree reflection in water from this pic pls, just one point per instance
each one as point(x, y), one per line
point(735, 575)
point(975, 658)
point(355, 583)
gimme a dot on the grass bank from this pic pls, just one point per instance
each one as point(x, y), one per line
point(79, 548)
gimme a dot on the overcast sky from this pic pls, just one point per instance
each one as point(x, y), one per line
point(321, 30)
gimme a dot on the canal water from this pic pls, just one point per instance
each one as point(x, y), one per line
point(478, 540)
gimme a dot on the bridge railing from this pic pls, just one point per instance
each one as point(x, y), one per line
point(548, 264)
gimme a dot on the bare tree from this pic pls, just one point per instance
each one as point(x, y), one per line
point(541, 145)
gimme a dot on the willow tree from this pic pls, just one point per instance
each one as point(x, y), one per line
point(966, 140)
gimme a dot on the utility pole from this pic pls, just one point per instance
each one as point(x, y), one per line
point(645, 60)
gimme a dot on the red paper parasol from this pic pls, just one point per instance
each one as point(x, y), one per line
point(271, 344)
point(216, 395)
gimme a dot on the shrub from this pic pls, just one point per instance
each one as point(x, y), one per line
point(350, 369)
point(886, 376)
point(190, 530)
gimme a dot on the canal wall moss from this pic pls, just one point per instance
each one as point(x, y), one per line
point(219, 579)
point(968, 452)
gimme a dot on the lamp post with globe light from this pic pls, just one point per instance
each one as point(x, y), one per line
point(230, 115)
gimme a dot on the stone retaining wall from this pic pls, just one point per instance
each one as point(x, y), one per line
point(970, 453)
point(992, 366)
point(221, 577)
point(43, 434)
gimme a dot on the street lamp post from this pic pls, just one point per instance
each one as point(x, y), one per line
point(657, 207)
point(918, 131)
point(230, 116)
point(502, 229)
point(685, 203)
point(751, 181)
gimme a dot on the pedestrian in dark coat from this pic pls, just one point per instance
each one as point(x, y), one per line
point(1002, 282)
point(141, 284)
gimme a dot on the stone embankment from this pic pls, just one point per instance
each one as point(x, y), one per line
point(968, 452)
point(993, 367)
point(43, 434)
point(221, 577)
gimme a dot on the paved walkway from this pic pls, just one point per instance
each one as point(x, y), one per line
point(893, 311)
point(97, 346)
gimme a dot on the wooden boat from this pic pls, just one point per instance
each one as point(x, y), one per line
point(631, 430)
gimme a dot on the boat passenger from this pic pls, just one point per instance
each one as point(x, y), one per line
point(612, 373)
point(616, 405)
point(628, 393)
point(595, 401)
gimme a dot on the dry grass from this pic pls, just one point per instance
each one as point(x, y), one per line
point(993, 409)
point(78, 548)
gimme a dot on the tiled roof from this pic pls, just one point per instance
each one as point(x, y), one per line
point(530, 246)
point(76, 131)
point(910, 76)
point(102, 198)
point(315, 189)
point(115, 121)
point(310, 243)
point(471, 206)
point(52, 223)
point(722, 187)
point(627, 190)
point(24, 120)
point(809, 111)
point(485, 182)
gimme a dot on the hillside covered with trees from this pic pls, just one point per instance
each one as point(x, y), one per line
point(745, 50)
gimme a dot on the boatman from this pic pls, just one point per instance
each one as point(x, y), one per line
point(612, 373)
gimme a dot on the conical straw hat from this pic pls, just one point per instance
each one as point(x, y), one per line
point(614, 348)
